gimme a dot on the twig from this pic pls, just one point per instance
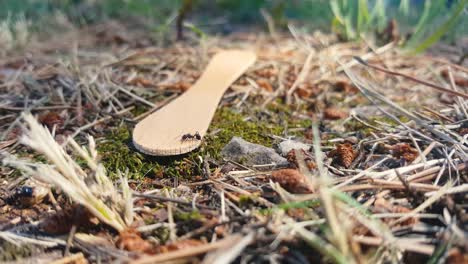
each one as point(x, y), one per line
point(69, 240)
point(414, 79)
point(406, 245)
point(300, 77)
point(188, 252)
point(173, 200)
point(75, 258)
point(101, 120)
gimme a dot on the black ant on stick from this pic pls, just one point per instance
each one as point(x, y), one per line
point(189, 136)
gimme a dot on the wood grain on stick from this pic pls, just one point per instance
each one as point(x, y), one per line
point(160, 134)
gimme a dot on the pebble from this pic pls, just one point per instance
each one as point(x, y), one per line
point(249, 154)
point(288, 145)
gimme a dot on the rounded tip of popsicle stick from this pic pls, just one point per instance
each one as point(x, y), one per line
point(166, 151)
point(179, 126)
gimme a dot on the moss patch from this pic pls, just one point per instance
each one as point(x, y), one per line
point(10, 252)
point(227, 124)
point(118, 153)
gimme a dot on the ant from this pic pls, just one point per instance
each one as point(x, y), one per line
point(24, 192)
point(189, 136)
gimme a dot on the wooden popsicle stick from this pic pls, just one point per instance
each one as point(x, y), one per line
point(160, 134)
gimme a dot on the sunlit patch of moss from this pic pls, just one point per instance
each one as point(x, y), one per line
point(354, 125)
point(139, 109)
point(385, 119)
point(189, 216)
point(162, 234)
point(245, 199)
point(292, 205)
point(118, 153)
point(227, 124)
point(11, 252)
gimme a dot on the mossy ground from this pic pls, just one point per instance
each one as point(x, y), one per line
point(252, 124)
point(118, 153)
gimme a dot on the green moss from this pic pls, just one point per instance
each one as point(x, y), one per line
point(227, 124)
point(162, 234)
point(10, 252)
point(189, 216)
point(245, 199)
point(118, 153)
point(139, 109)
point(354, 125)
point(385, 119)
point(292, 205)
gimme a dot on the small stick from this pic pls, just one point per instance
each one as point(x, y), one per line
point(414, 79)
point(405, 245)
point(39, 108)
point(69, 241)
point(188, 252)
point(173, 200)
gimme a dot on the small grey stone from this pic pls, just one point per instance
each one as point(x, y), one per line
point(250, 154)
point(288, 145)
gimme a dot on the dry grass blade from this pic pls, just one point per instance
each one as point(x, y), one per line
point(229, 253)
point(88, 189)
point(192, 251)
point(442, 89)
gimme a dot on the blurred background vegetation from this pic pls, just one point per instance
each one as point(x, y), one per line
point(420, 22)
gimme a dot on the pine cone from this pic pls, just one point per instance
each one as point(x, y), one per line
point(344, 154)
point(291, 157)
point(405, 151)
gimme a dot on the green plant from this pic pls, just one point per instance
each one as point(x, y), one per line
point(353, 18)
point(419, 40)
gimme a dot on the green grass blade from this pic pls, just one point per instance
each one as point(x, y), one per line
point(443, 29)
point(362, 16)
point(404, 7)
point(378, 15)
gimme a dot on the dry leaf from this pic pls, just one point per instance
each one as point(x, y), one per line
point(291, 180)
point(62, 221)
point(456, 256)
point(267, 72)
point(463, 131)
point(333, 113)
point(345, 86)
point(50, 119)
point(130, 240)
point(178, 86)
point(460, 81)
point(391, 32)
point(265, 84)
point(142, 82)
point(179, 245)
point(383, 206)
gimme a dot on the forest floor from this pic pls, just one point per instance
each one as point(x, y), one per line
point(374, 162)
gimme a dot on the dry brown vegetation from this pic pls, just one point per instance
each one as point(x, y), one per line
point(385, 179)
